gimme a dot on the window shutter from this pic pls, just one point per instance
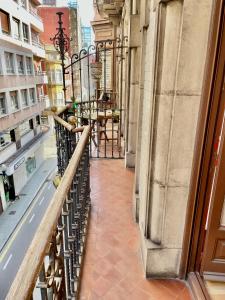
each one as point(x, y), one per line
point(5, 22)
point(13, 94)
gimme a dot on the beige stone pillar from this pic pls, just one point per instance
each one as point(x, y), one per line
point(133, 88)
point(132, 108)
point(176, 45)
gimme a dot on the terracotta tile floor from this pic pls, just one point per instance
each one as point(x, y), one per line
point(112, 267)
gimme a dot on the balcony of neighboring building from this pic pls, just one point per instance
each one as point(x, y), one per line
point(38, 47)
point(52, 57)
point(55, 77)
point(40, 74)
point(41, 77)
point(33, 9)
point(35, 39)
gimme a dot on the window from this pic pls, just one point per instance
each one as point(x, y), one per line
point(20, 65)
point(35, 37)
point(58, 76)
point(25, 33)
point(5, 23)
point(38, 120)
point(29, 65)
point(13, 135)
point(32, 96)
point(2, 104)
point(31, 124)
point(14, 100)
point(16, 28)
point(9, 62)
point(24, 97)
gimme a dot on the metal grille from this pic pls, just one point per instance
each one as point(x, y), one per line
point(99, 99)
point(96, 90)
point(59, 277)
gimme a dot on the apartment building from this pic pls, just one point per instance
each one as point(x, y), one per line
point(22, 95)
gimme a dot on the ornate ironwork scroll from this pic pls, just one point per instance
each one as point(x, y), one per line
point(61, 43)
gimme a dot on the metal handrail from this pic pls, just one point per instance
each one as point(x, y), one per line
point(24, 282)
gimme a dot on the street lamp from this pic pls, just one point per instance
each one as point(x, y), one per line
point(61, 43)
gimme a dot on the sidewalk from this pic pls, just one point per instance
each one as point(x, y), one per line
point(10, 218)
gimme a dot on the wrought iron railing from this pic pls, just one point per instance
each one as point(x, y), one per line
point(52, 265)
point(105, 119)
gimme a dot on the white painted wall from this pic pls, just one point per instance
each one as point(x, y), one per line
point(20, 175)
point(27, 137)
point(7, 152)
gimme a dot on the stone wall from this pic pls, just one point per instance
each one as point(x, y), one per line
point(174, 37)
point(161, 90)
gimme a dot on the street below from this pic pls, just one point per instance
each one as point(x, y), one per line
point(16, 247)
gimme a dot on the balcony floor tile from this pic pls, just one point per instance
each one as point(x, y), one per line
point(112, 265)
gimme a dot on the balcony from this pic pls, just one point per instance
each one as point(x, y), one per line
point(36, 43)
point(42, 98)
point(55, 80)
point(111, 9)
point(111, 268)
point(37, 48)
point(41, 77)
point(33, 10)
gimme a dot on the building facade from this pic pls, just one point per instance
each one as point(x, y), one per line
point(22, 95)
point(163, 95)
point(86, 36)
point(104, 30)
point(53, 63)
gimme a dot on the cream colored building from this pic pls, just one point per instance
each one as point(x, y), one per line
point(22, 97)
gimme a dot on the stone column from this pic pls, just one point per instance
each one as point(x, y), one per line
point(136, 196)
point(133, 88)
point(172, 91)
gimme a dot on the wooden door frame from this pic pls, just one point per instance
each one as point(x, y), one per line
point(202, 155)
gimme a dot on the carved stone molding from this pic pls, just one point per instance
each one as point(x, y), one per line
point(110, 9)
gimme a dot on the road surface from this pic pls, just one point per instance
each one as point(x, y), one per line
point(15, 249)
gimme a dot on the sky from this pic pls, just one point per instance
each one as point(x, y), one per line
point(86, 11)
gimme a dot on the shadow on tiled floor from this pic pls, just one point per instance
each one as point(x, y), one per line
point(112, 266)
